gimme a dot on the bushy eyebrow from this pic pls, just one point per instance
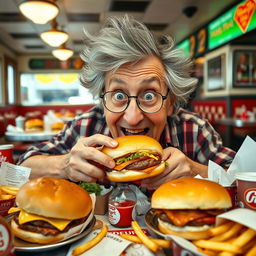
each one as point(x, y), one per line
point(117, 80)
point(145, 81)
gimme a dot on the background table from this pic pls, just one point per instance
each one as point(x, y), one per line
point(235, 131)
point(23, 136)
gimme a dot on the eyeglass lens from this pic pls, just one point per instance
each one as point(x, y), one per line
point(118, 101)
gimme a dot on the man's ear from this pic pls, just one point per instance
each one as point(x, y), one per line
point(171, 105)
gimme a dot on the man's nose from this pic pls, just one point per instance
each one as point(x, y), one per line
point(133, 115)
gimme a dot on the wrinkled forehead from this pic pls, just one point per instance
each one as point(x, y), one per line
point(149, 66)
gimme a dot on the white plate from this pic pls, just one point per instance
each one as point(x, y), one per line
point(24, 246)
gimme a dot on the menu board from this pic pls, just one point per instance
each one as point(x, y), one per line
point(216, 72)
point(244, 66)
point(232, 24)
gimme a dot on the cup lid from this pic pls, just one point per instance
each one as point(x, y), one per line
point(250, 176)
point(6, 146)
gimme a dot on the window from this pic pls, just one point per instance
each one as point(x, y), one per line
point(11, 84)
point(10, 72)
point(53, 88)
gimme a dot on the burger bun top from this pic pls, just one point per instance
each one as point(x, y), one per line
point(133, 143)
point(34, 123)
point(190, 193)
point(55, 198)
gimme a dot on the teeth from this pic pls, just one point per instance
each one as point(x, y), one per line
point(134, 131)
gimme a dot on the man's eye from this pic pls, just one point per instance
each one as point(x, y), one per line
point(119, 96)
point(149, 96)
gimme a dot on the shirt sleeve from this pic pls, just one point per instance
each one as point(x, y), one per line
point(210, 147)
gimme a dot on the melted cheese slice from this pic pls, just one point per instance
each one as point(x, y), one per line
point(25, 217)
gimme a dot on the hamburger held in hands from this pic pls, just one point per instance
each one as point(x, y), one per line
point(48, 208)
point(136, 157)
point(187, 207)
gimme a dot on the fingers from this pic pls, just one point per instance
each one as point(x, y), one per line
point(177, 166)
point(99, 139)
point(86, 161)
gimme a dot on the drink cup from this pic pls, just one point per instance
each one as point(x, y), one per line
point(246, 189)
point(232, 190)
point(20, 122)
point(6, 152)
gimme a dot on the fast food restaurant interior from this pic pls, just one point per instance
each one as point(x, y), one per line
point(33, 81)
point(41, 93)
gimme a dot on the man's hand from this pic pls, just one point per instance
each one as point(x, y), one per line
point(86, 162)
point(177, 165)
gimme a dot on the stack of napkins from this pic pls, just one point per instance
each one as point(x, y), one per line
point(244, 161)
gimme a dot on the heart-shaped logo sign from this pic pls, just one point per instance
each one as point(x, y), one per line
point(244, 13)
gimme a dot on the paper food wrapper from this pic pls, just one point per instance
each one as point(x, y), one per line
point(244, 161)
point(13, 175)
point(237, 215)
point(80, 228)
point(49, 119)
point(112, 244)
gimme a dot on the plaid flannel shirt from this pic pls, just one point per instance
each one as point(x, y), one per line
point(186, 131)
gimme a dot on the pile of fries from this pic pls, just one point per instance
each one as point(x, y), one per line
point(8, 192)
point(154, 244)
point(229, 239)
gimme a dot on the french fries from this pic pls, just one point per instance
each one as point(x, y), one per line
point(86, 246)
point(160, 242)
point(8, 192)
point(153, 246)
point(229, 239)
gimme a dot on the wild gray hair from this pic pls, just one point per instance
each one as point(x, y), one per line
point(123, 40)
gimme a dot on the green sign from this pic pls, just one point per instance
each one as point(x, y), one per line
point(50, 63)
point(235, 22)
point(185, 47)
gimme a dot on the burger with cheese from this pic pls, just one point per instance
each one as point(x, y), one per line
point(136, 157)
point(57, 127)
point(34, 125)
point(48, 208)
point(187, 207)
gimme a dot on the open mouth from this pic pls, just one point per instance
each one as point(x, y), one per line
point(135, 131)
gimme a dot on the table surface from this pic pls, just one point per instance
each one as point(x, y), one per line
point(62, 251)
point(237, 122)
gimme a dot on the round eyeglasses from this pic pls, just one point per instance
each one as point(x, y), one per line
point(148, 101)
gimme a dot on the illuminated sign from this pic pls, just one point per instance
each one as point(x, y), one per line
point(195, 45)
point(184, 46)
point(232, 24)
point(235, 22)
point(72, 63)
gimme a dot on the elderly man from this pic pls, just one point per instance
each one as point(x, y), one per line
point(142, 85)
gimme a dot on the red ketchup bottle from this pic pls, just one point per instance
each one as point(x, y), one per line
point(6, 239)
point(121, 206)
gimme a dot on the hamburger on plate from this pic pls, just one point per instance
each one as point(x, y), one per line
point(187, 207)
point(57, 127)
point(48, 208)
point(34, 125)
point(136, 157)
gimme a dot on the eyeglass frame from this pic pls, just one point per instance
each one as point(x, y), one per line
point(164, 97)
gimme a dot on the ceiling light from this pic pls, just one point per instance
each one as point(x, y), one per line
point(62, 53)
point(54, 37)
point(39, 11)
